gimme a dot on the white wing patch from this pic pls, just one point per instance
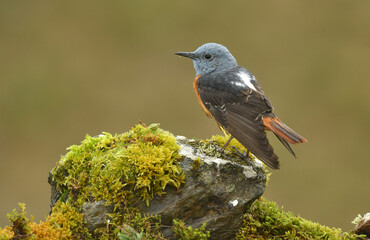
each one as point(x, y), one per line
point(247, 80)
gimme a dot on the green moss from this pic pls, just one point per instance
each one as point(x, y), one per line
point(64, 223)
point(116, 168)
point(68, 219)
point(209, 146)
point(20, 227)
point(265, 220)
point(143, 161)
point(188, 233)
point(131, 224)
point(196, 164)
point(222, 139)
point(130, 234)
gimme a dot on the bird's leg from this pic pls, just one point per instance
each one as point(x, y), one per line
point(219, 150)
point(239, 154)
point(227, 143)
point(222, 149)
point(244, 155)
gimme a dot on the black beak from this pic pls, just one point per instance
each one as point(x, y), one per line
point(186, 54)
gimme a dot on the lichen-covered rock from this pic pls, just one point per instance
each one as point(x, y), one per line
point(217, 192)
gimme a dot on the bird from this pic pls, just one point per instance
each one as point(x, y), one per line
point(232, 96)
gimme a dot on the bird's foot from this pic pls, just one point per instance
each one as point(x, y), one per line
point(239, 154)
point(220, 150)
point(216, 147)
point(244, 156)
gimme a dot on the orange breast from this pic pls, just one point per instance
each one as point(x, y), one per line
point(198, 96)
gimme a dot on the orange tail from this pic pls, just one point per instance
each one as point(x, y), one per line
point(274, 124)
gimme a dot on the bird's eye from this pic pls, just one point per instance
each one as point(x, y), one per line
point(208, 56)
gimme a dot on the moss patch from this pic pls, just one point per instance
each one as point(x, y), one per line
point(20, 227)
point(265, 220)
point(142, 161)
point(188, 233)
point(64, 223)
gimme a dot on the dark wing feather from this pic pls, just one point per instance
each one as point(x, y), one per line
point(240, 111)
point(286, 144)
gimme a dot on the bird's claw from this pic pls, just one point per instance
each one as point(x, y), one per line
point(244, 156)
point(238, 153)
point(219, 150)
point(216, 147)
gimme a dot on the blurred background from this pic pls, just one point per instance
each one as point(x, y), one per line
point(70, 68)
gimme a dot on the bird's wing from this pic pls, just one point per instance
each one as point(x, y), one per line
point(239, 109)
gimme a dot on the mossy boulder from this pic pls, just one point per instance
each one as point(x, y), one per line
point(151, 171)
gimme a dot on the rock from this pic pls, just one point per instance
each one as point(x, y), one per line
point(55, 193)
point(96, 214)
point(364, 226)
point(217, 191)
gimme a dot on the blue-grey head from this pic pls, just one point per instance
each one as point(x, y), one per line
point(211, 57)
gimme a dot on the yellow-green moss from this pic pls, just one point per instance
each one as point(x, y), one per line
point(68, 220)
point(222, 139)
point(6, 233)
point(265, 220)
point(143, 160)
point(63, 224)
point(129, 225)
point(196, 164)
point(20, 227)
point(115, 168)
point(208, 148)
point(188, 233)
